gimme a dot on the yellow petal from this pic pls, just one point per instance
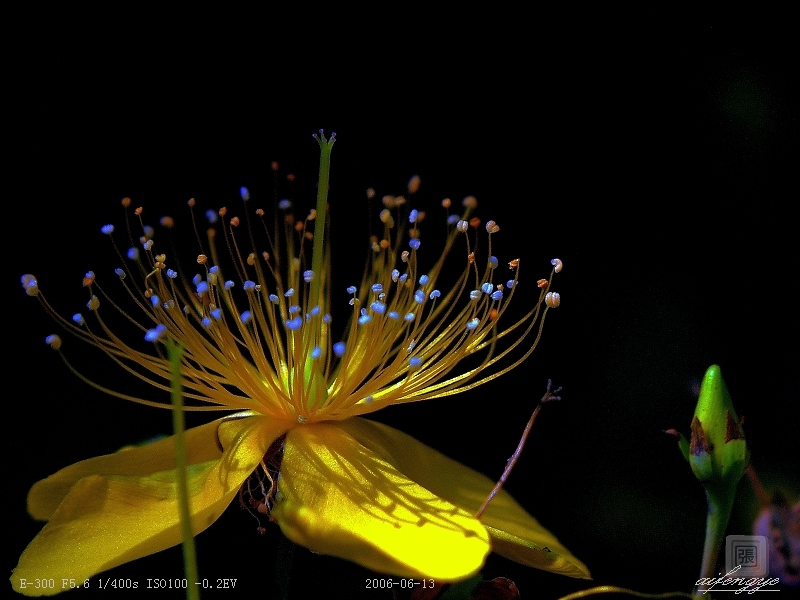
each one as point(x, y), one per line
point(515, 534)
point(107, 519)
point(336, 497)
point(201, 445)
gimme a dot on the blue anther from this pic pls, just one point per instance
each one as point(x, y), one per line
point(339, 348)
point(395, 275)
point(351, 289)
point(393, 315)
point(316, 352)
point(414, 243)
point(510, 283)
point(214, 270)
point(107, 229)
point(315, 311)
point(492, 262)
point(245, 193)
point(452, 219)
point(202, 288)
point(206, 322)
point(423, 279)
point(274, 299)
point(409, 317)
point(172, 274)
point(368, 399)
point(196, 279)
point(285, 204)
point(78, 318)
point(434, 294)
point(229, 284)
point(364, 319)
point(419, 296)
point(294, 309)
point(133, 254)
point(154, 300)
point(403, 278)
point(473, 323)
point(326, 318)
point(216, 313)
point(294, 323)
point(378, 307)
point(474, 294)
point(148, 244)
point(249, 286)
point(308, 276)
point(413, 216)
point(155, 334)
point(414, 362)
point(497, 295)
point(148, 231)
point(245, 317)
point(487, 288)
point(289, 293)
point(120, 273)
point(211, 216)
point(377, 288)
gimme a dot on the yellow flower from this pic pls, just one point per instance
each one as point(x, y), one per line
point(294, 444)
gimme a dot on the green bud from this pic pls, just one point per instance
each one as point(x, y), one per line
point(717, 448)
point(717, 453)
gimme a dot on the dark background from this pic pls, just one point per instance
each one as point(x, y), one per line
point(660, 168)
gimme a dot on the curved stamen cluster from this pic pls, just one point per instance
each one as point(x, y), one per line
point(262, 339)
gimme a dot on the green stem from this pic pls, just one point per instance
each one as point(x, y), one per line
point(175, 351)
point(719, 513)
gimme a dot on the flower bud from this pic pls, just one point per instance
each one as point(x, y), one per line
point(717, 449)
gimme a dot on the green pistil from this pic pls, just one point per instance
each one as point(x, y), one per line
point(318, 386)
point(317, 258)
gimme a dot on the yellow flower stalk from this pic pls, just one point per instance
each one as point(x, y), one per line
point(257, 327)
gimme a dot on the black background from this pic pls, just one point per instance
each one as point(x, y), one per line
point(660, 166)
